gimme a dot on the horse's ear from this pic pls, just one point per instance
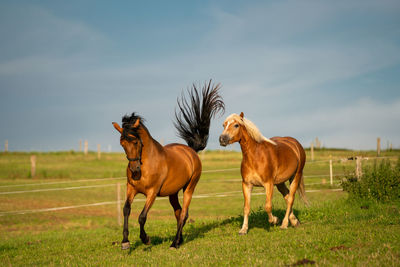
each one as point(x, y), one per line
point(136, 124)
point(241, 115)
point(116, 126)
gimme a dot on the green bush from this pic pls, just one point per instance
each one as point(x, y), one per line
point(380, 182)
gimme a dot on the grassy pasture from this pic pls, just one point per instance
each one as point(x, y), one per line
point(334, 231)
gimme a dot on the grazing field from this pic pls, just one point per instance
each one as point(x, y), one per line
point(67, 215)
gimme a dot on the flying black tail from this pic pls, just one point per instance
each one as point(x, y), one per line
point(194, 115)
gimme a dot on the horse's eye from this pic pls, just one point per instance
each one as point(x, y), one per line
point(236, 125)
point(135, 142)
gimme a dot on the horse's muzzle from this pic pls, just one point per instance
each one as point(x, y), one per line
point(224, 140)
point(136, 172)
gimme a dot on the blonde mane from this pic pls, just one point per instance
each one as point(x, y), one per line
point(251, 128)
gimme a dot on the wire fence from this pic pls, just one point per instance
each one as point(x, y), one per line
point(118, 201)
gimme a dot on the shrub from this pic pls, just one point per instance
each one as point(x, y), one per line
point(380, 182)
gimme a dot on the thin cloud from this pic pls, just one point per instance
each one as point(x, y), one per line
point(275, 60)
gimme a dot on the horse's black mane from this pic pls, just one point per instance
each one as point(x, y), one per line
point(127, 126)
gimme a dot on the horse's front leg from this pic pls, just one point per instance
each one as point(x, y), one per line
point(269, 189)
point(143, 217)
point(247, 188)
point(130, 194)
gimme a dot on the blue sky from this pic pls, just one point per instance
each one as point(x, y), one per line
point(326, 69)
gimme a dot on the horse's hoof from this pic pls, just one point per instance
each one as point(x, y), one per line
point(283, 227)
point(146, 240)
point(174, 246)
point(275, 221)
point(296, 224)
point(242, 232)
point(125, 245)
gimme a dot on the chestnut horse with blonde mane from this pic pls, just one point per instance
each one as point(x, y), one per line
point(156, 170)
point(266, 162)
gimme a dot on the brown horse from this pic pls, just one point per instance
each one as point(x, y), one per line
point(156, 170)
point(266, 162)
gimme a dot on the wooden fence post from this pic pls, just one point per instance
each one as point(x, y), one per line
point(312, 151)
point(98, 151)
point(317, 143)
point(33, 166)
point(330, 169)
point(358, 168)
point(86, 147)
point(6, 146)
point(118, 204)
point(80, 145)
point(378, 146)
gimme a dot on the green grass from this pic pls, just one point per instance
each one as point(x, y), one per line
point(61, 165)
point(334, 231)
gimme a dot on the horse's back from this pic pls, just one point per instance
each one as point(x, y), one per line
point(294, 145)
point(181, 151)
point(183, 163)
point(290, 157)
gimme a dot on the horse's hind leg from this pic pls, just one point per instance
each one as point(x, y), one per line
point(290, 199)
point(143, 217)
point(285, 192)
point(173, 200)
point(187, 197)
point(130, 194)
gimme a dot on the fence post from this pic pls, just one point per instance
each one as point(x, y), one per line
point(33, 166)
point(358, 168)
point(312, 151)
point(98, 151)
point(378, 146)
point(86, 147)
point(6, 146)
point(317, 143)
point(80, 145)
point(118, 204)
point(330, 169)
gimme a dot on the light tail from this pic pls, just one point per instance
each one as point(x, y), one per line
point(302, 191)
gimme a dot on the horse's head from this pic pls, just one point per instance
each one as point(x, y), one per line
point(132, 143)
point(232, 129)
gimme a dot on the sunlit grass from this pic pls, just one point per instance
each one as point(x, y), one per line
point(333, 231)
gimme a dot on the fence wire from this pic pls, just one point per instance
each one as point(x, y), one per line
point(218, 194)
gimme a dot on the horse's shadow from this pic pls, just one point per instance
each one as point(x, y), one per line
point(257, 219)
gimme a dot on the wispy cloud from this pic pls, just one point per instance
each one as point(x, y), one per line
point(353, 126)
point(275, 60)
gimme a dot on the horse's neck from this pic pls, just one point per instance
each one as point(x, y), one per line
point(149, 144)
point(247, 144)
